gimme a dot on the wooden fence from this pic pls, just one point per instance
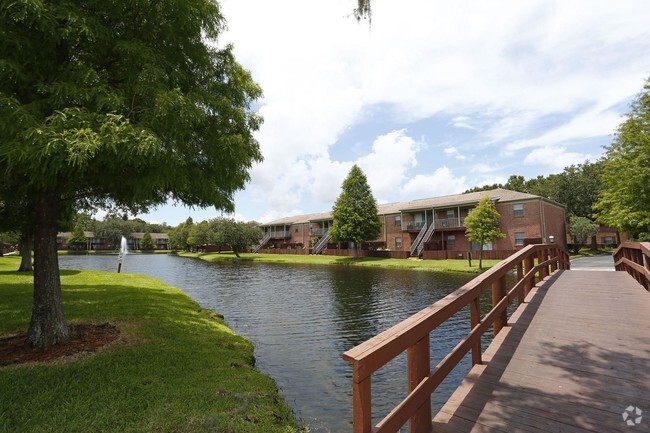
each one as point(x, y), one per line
point(634, 258)
point(412, 336)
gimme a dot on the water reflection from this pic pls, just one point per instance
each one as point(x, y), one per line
point(302, 318)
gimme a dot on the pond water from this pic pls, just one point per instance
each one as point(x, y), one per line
point(302, 318)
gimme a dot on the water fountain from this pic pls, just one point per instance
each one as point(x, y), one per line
point(123, 251)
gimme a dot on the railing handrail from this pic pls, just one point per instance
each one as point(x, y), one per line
point(418, 238)
point(322, 243)
point(426, 238)
point(265, 239)
point(634, 258)
point(412, 335)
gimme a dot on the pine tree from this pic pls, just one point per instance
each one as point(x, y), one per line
point(147, 242)
point(355, 211)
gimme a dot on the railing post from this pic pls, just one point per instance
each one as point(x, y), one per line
point(530, 264)
point(418, 361)
point(555, 252)
point(541, 257)
point(498, 293)
point(520, 276)
point(361, 407)
point(475, 320)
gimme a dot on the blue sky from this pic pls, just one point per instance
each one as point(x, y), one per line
point(433, 98)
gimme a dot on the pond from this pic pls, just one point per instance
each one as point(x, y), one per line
point(301, 318)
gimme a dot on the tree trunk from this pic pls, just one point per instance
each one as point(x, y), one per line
point(234, 250)
point(480, 258)
point(48, 325)
point(25, 253)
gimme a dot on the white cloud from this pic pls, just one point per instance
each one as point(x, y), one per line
point(454, 152)
point(494, 71)
point(555, 157)
point(441, 182)
point(387, 166)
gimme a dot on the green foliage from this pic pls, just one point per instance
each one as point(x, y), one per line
point(176, 368)
point(581, 229)
point(363, 10)
point(198, 234)
point(577, 187)
point(147, 242)
point(121, 105)
point(77, 239)
point(482, 225)
point(237, 235)
point(355, 211)
point(624, 202)
point(178, 235)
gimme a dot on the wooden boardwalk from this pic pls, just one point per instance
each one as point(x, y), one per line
point(571, 360)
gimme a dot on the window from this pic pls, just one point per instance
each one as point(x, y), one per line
point(451, 240)
point(296, 230)
point(398, 220)
point(398, 243)
point(518, 210)
point(451, 214)
point(608, 240)
point(519, 239)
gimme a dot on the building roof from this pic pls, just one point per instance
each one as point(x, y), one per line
point(498, 195)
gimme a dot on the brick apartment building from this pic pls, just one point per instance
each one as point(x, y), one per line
point(429, 228)
point(160, 241)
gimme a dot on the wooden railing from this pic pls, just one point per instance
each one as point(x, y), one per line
point(412, 336)
point(634, 258)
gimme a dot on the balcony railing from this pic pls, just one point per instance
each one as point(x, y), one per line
point(413, 226)
point(317, 232)
point(280, 234)
point(442, 223)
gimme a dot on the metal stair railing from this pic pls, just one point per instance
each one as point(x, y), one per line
point(321, 244)
point(418, 238)
point(426, 238)
point(264, 240)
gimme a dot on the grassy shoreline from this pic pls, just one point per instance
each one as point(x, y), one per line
point(373, 262)
point(176, 367)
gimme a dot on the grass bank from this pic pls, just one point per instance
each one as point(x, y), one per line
point(424, 265)
point(175, 368)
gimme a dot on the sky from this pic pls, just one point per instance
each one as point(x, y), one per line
point(431, 98)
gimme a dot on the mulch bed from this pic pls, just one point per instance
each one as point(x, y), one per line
point(85, 338)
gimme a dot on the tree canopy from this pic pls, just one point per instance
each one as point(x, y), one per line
point(121, 105)
point(624, 202)
point(147, 242)
point(581, 229)
point(482, 226)
point(355, 216)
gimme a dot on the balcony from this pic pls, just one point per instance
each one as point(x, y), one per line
point(412, 226)
point(449, 223)
point(280, 234)
point(317, 232)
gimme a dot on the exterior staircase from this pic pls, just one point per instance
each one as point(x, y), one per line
point(321, 244)
point(424, 236)
point(264, 240)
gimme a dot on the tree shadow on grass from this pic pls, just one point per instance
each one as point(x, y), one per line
point(557, 386)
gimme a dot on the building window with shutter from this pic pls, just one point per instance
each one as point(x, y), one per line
point(398, 220)
point(518, 210)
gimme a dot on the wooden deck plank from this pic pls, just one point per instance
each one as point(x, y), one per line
point(573, 358)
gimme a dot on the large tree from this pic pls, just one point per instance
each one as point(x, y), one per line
point(117, 104)
point(581, 228)
point(355, 211)
point(624, 202)
point(482, 226)
point(235, 234)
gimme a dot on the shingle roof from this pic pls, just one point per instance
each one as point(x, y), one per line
point(498, 195)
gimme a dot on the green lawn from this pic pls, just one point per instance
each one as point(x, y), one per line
point(176, 367)
point(424, 265)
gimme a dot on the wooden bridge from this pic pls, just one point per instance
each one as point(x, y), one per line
point(573, 357)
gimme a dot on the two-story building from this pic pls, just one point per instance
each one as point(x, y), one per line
point(430, 227)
